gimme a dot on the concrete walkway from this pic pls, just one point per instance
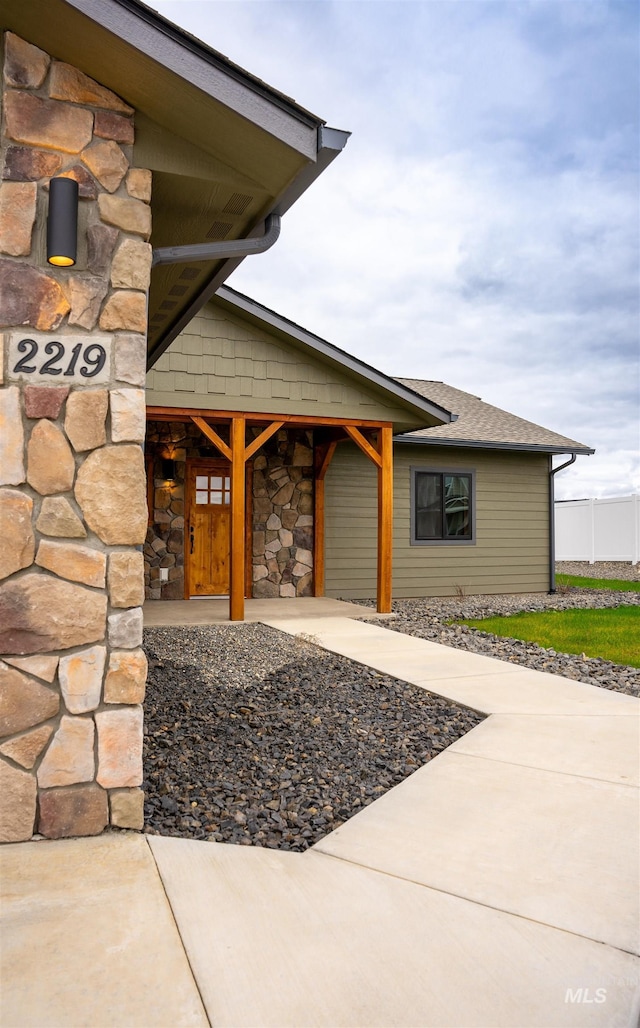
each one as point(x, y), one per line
point(497, 886)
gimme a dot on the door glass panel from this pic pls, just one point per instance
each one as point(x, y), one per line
point(213, 489)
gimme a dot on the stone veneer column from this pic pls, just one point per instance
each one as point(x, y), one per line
point(283, 482)
point(72, 487)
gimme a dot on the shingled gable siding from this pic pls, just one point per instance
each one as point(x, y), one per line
point(512, 526)
point(222, 362)
point(72, 502)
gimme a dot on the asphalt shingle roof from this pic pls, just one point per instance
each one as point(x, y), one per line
point(480, 423)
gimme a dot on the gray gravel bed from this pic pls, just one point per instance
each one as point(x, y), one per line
point(623, 570)
point(428, 619)
point(257, 738)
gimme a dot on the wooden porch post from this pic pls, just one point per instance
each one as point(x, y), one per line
point(385, 519)
point(236, 591)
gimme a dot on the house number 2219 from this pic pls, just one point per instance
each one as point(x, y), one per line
point(87, 359)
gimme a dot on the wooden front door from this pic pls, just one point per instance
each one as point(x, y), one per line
point(207, 542)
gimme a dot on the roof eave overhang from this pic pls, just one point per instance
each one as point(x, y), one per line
point(331, 142)
point(57, 26)
point(477, 444)
point(245, 305)
point(188, 58)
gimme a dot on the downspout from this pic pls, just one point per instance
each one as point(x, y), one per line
point(552, 524)
point(215, 251)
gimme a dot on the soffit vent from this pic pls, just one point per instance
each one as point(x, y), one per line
point(237, 203)
point(218, 230)
point(188, 274)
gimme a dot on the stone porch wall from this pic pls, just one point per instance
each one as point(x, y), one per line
point(72, 497)
point(283, 479)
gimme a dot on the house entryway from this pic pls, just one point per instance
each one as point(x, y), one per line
point(208, 540)
point(237, 503)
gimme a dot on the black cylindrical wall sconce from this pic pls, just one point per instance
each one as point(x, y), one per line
point(62, 222)
point(168, 469)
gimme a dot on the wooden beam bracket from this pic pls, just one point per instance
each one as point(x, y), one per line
point(212, 436)
point(364, 444)
point(261, 439)
point(323, 457)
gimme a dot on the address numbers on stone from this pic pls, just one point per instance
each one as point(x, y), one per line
point(70, 359)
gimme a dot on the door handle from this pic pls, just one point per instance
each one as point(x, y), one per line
point(191, 537)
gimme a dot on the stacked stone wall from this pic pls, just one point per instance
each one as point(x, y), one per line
point(283, 516)
point(73, 511)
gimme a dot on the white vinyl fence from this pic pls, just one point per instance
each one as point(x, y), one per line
point(598, 529)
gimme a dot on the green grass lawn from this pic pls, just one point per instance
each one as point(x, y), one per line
point(618, 584)
point(613, 633)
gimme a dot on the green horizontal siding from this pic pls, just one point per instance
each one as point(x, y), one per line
point(510, 553)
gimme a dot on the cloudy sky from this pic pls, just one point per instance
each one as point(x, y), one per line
point(481, 227)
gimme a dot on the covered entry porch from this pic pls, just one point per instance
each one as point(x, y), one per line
point(174, 613)
point(215, 499)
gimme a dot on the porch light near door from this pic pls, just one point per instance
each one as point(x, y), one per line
point(168, 469)
point(62, 222)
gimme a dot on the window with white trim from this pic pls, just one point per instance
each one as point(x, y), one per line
point(442, 506)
